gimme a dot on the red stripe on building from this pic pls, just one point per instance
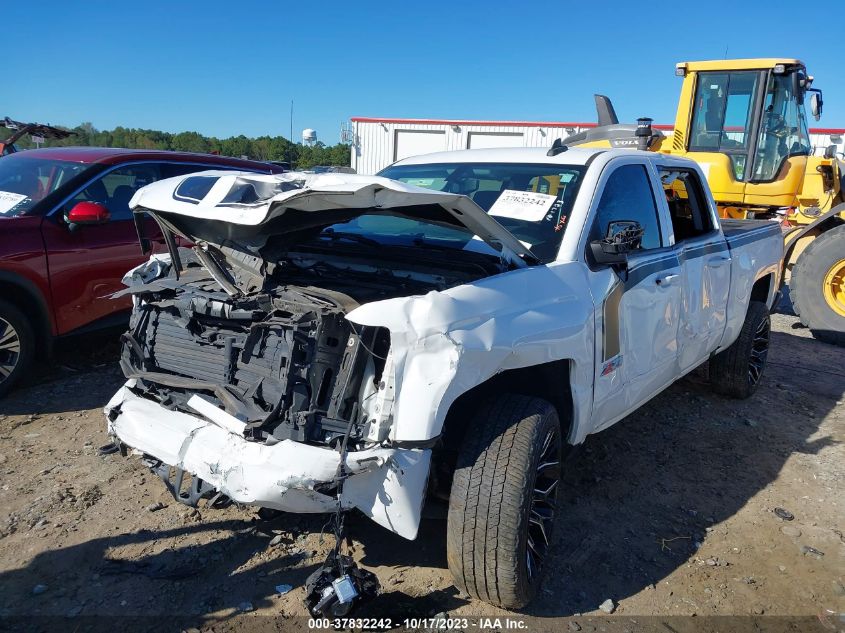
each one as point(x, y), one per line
point(366, 119)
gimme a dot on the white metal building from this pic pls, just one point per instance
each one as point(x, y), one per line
point(376, 143)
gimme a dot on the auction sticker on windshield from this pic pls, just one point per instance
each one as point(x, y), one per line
point(9, 200)
point(522, 205)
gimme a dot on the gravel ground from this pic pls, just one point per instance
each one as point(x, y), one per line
point(668, 513)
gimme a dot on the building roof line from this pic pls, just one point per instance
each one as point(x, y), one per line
point(552, 124)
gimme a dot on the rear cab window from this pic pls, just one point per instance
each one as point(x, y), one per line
point(688, 208)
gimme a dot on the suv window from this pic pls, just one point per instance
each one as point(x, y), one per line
point(25, 181)
point(171, 170)
point(628, 195)
point(687, 205)
point(116, 188)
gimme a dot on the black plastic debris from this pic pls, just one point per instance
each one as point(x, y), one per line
point(108, 449)
point(338, 586)
point(784, 514)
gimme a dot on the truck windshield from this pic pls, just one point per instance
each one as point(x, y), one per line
point(26, 181)
point(532, 201)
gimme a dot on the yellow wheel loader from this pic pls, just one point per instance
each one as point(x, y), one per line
point(744, 121)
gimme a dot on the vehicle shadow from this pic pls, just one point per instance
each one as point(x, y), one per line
point(640, 496)
point(63, 383)
point(179, 585)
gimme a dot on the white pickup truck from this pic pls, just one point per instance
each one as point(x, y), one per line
point(340, 341)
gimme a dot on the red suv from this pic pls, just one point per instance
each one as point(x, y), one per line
point(67, 237)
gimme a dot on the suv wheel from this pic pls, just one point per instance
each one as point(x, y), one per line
point(504, 500)
point(17, 346)
point(736, 371)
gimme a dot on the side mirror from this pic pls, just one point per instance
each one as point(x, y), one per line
point(87, 213)
point(816, 104)
point(622, 237)
point(830, 151)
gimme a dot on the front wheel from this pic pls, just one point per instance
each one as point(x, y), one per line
point(504, 500)
point(17, 346)
point(736, 371)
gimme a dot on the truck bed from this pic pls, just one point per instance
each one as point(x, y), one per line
point(740, 232)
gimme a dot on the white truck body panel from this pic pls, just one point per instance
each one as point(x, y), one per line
point(624, 337)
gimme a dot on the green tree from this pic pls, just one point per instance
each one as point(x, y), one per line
point(189, 142)
point(260, 148)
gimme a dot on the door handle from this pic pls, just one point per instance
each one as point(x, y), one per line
point(666, 280)
point(718, 261)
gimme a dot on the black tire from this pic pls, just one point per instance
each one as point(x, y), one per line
point(17, 346)
point(806, 286)
point(512, 451)
point(737, 370)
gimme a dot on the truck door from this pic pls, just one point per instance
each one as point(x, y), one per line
point(637, 309)
point(705, 259)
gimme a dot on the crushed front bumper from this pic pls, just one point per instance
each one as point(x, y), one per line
point(386, 484)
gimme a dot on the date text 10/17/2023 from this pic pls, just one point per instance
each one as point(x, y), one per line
point(435, 622)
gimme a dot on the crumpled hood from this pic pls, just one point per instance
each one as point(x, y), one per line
point(249, 199)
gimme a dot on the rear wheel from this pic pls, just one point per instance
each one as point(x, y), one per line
point(736, 371)
point(17, 346)
point(504, 500)
point(817, 286)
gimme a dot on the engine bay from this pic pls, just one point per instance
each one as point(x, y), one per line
point(267, 341)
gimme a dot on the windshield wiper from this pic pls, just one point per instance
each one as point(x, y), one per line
point(352, 237)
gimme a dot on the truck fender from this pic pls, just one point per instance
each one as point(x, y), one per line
point(443, 344)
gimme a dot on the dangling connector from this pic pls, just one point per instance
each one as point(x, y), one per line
point(338, 585)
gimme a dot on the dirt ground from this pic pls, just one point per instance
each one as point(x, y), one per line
point(668, 513)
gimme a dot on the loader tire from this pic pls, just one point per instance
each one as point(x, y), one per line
point(817, 287)
point(17, 346)
point(504, 500)
point(736, 371)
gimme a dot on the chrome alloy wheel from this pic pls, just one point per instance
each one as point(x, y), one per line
point(10, 349)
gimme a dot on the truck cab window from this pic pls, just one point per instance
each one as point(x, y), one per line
point(687, 205)
point(628, 196)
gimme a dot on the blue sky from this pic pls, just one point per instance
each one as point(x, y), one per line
point(225, 68)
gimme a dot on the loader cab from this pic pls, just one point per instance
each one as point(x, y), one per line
point(745, 121)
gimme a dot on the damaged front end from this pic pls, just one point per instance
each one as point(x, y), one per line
point(242, 369)
point(254, 395)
